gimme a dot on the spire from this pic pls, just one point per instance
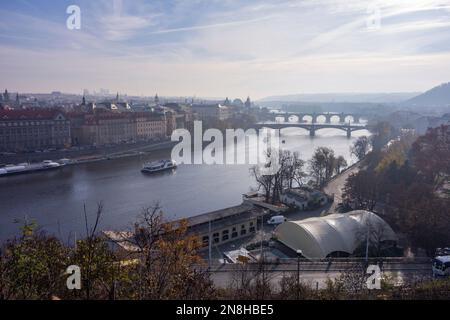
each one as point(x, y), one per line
point(248, 103)
point(117, 97)
point(6, 95)
point(17, 97)
point(84, 101)
point(156, 99)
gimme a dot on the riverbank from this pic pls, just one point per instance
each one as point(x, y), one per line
point(90, 154)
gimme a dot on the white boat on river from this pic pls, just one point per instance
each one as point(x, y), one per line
point(159, 166)
point(28, 168)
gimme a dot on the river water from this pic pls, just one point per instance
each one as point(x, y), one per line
point(55, 199)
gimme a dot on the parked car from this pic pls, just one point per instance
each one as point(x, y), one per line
point(275, 220)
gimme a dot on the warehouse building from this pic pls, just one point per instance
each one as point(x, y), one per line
point(334, 235)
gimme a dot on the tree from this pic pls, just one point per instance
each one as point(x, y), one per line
point(340, 164)
point(382, 134)
point(96, 261)
point(431, 153)
point(362, 190)
point(360, 148)
point(289, 172)
point(169, 266)
point(397, 152)
point(420, 214)
point(32, 266)
point(322, 165)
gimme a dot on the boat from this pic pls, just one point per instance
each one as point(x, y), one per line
point(24, 168)
point(159, 166)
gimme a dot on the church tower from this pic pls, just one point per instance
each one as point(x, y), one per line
point(248, 103)
point(6, 95)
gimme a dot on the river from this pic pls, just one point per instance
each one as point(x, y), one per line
point(55, 199)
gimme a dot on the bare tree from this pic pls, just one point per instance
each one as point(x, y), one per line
point(340, 163)
point(360, 148)
point(289, 172)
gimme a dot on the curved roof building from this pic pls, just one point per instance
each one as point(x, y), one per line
point(321, 237)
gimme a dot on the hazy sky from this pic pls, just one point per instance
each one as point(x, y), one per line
point(219, 48)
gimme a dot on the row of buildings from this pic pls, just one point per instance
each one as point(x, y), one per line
point(40, 128)
point(97, 124)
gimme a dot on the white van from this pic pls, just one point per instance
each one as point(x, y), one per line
point(275, 220)
point(441, 266)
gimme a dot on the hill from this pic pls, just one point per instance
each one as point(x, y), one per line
point(438, 96)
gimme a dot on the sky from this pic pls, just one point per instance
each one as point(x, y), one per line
point(219, 48)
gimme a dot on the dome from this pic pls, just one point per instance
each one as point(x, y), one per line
point(322, 236)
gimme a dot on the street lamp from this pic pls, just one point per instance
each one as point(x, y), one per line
point(299, 255)
point(261, 233)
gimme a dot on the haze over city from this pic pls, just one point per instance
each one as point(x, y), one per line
point(218, 48)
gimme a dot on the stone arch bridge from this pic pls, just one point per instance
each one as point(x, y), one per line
point(356, 118)
point(313, 127)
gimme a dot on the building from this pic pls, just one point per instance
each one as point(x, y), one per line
point(334, 235)
point(225, 225)
point(149, 126)
point(211, 111)
point(220, 226)
point(102, 127)
point(33, 129)
point(303, 198)
point(184, 116)
point(107, 128)
point(113, 106)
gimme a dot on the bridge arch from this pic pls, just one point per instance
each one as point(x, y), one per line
point(349, 118)
point(335, 118)
point(280, 119)
point(321, 118)
point(293, 118)
point(307, 118)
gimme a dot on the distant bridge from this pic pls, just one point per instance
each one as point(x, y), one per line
point(313, 127)
point(343, 117)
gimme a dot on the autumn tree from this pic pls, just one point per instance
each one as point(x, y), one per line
point(362, 190)
point(169, 266)
point(98, 264)
point(431, 154)
point(32, 266)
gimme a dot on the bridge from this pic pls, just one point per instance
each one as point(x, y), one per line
point(343, 117)
point(313, 127)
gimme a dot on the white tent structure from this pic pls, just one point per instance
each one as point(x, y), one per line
point(343, 233)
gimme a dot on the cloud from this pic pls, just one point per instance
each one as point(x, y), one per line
point(219, 48)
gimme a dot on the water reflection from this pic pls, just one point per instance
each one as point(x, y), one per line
point(55, 199)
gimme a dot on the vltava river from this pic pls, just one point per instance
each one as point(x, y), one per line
point(55, 199)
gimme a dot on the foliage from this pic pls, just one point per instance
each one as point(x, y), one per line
point(32, 267)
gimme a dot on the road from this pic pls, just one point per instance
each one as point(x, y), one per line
point(316, 274)
point(336, 186)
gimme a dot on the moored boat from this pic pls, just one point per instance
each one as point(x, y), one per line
point(159, 166)
point(24, 168)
